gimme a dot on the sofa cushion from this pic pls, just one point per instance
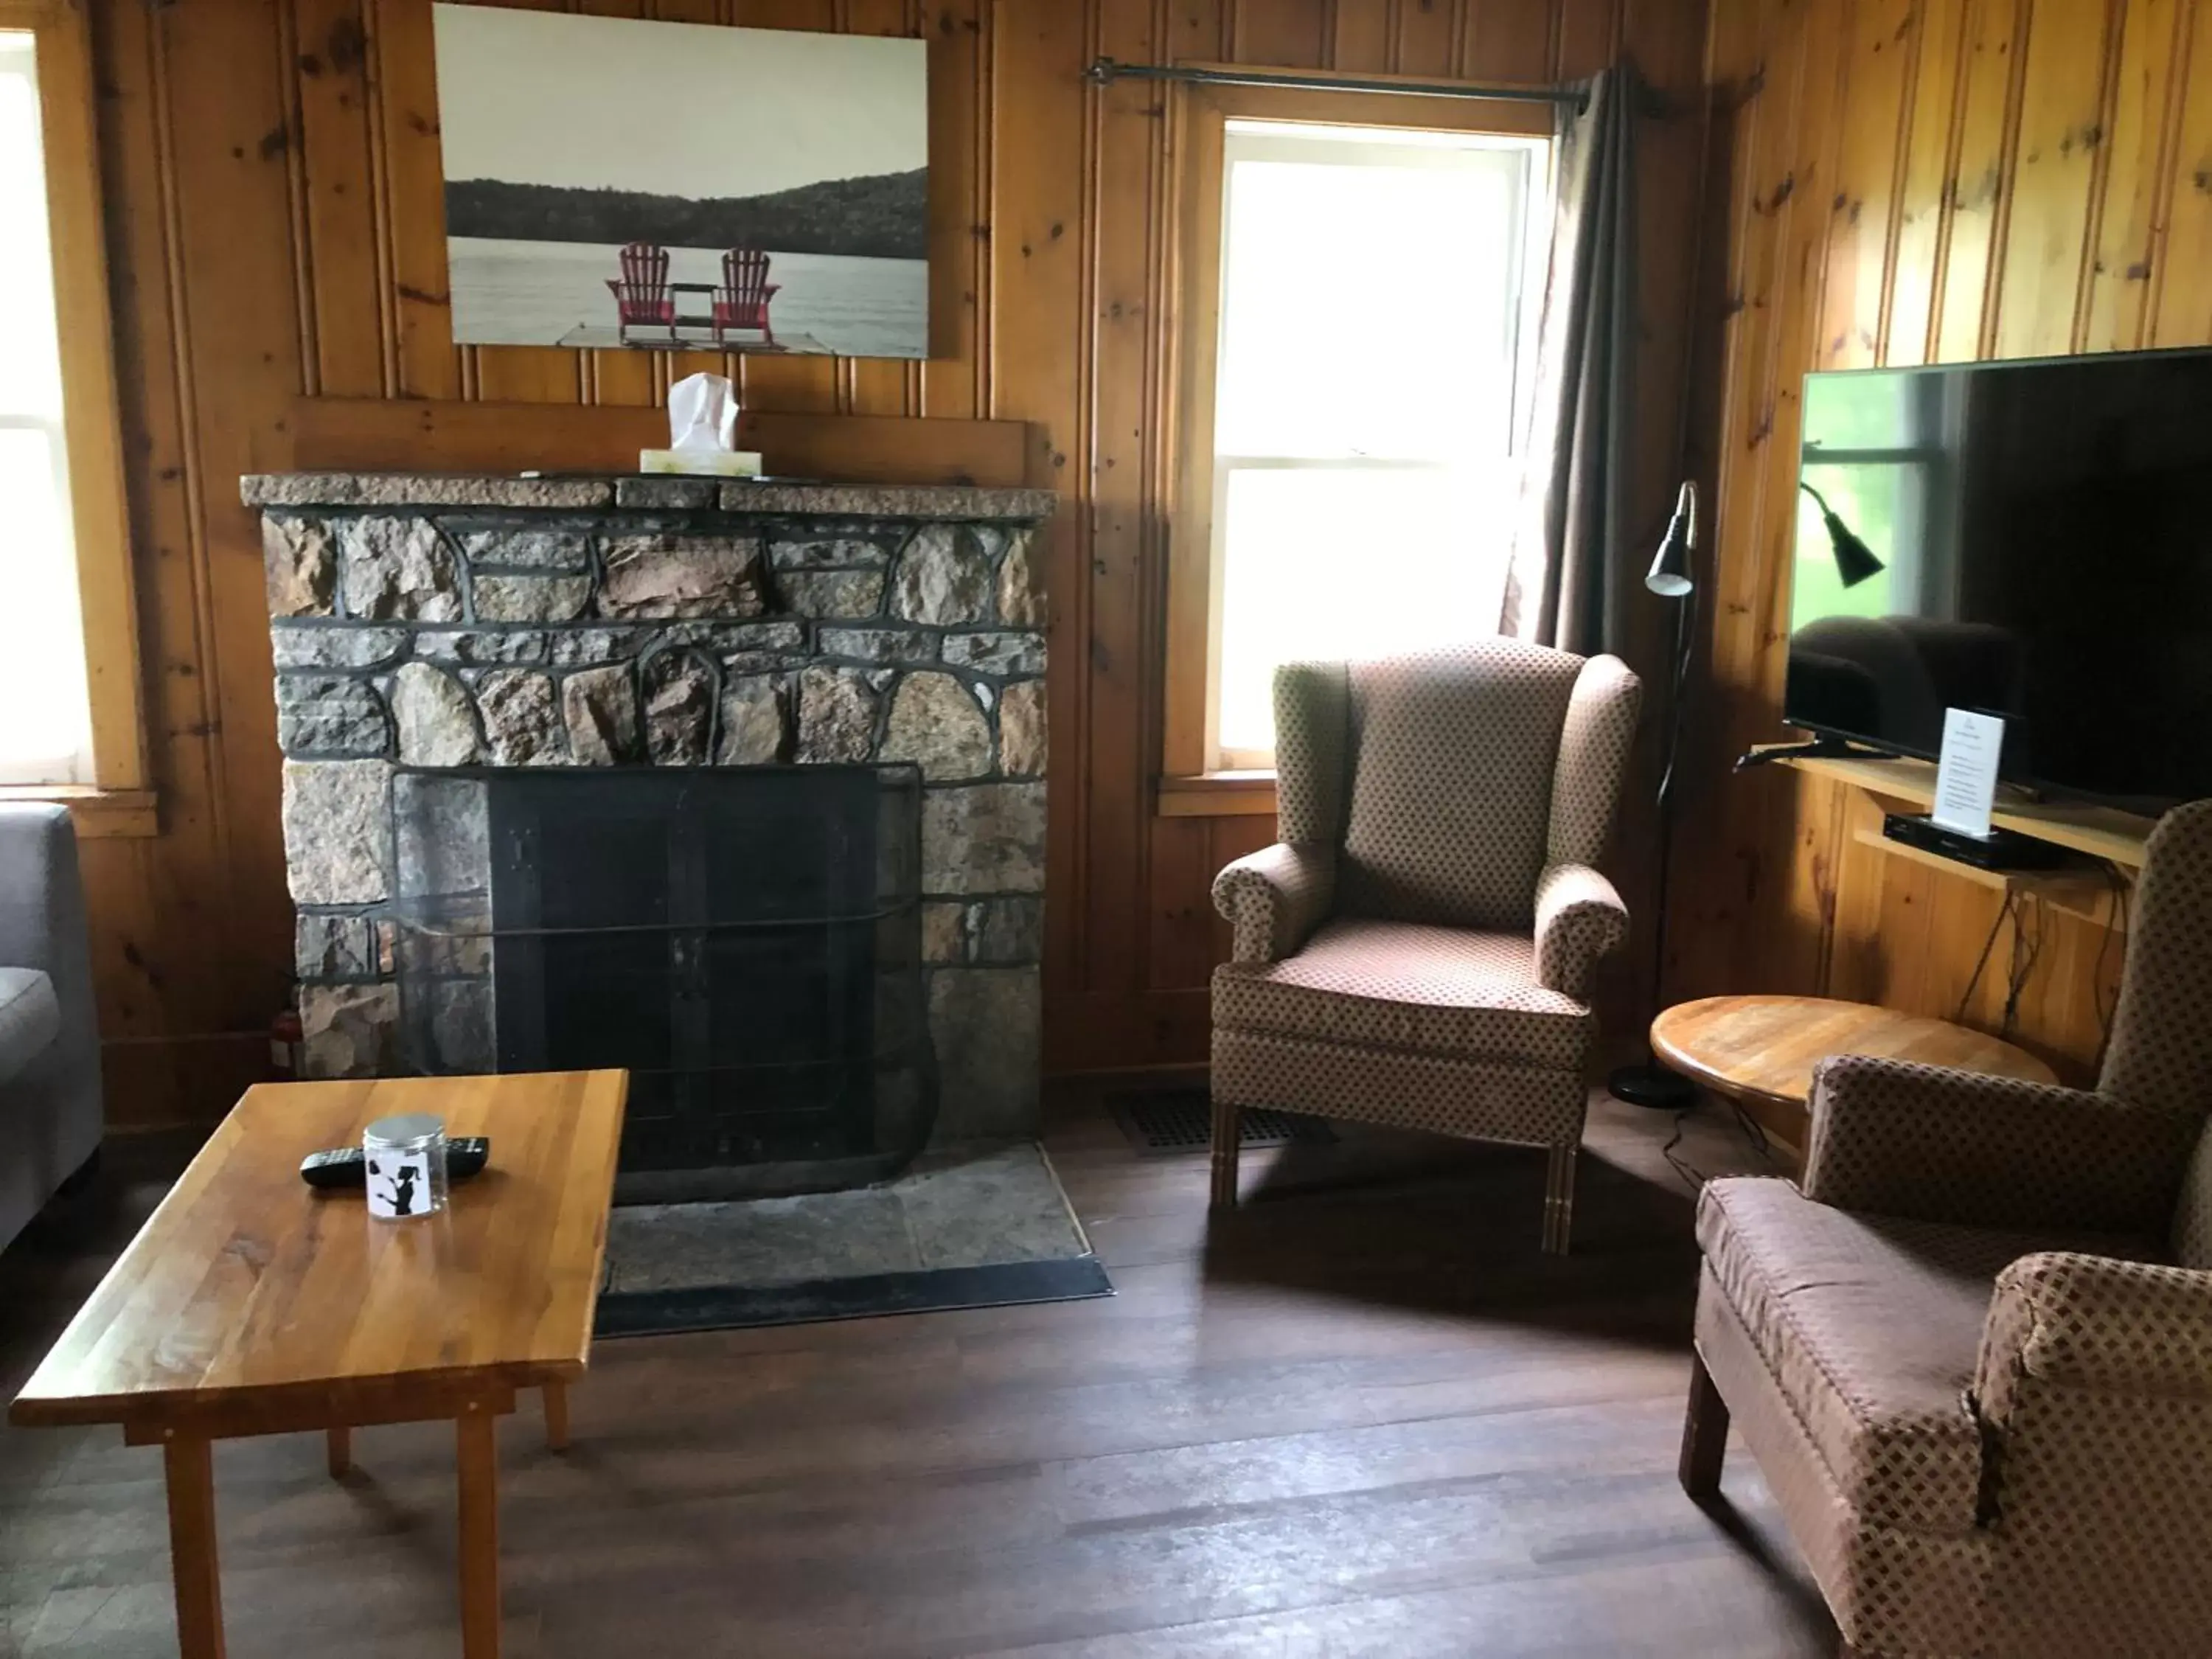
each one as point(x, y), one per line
point(1410, 988)
point(30, 1019)
point(1870, 1326)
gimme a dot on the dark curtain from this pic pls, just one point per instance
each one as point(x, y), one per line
point(1568, 581)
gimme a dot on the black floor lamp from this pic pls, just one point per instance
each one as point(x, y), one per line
point(1671, 577)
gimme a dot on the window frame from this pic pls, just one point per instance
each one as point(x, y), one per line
point(1189, 782)
point(118, 799)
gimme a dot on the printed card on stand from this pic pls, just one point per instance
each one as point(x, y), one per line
point(1967, 775)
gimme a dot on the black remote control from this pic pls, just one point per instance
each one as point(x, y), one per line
point(343, 1167)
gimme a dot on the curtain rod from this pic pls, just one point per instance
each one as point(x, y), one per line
point(1105, 70)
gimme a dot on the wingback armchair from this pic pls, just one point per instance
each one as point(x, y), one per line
point(1973, 1355)
point(1417, 948)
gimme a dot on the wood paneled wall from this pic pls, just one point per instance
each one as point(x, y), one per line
point(1083, 231)
point(273, 215)
point(1906, 181)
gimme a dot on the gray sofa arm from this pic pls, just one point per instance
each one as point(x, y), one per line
point(51, 1120)
point(42, 923)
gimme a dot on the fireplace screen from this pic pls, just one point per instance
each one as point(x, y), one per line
point(745, 941)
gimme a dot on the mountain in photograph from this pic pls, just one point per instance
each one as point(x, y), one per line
point(883, 216)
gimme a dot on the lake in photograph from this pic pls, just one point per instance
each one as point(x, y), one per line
point(516, 292)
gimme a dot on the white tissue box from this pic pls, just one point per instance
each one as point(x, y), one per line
point(713, 463)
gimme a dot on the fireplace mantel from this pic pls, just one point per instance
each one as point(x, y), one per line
point(427, 620)
point(653, 493)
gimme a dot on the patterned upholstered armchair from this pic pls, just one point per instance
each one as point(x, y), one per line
point(1973, 1358)
point(1417, 948)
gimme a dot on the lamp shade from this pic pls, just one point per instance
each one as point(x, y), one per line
point(1855, 560)
point(1669, 576)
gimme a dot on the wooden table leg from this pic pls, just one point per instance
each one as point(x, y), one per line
point(189, 1462)
point(339, 1443)
point(478, 1443)
point(556, 1398)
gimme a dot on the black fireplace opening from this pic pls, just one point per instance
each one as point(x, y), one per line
point(744, 941)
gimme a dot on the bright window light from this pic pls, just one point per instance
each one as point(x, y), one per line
point(44, 724)
point(1370, 360)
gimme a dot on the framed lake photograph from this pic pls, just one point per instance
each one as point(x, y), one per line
point(616, 183)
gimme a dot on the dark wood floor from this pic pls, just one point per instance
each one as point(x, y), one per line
point(1362, 1417)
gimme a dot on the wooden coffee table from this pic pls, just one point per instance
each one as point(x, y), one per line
point(249, 1305)
point(1760, 1051)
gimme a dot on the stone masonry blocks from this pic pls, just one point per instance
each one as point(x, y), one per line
point(337, 825)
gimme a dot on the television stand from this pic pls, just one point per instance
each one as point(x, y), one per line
point(1817, 749)
point(2102, 832)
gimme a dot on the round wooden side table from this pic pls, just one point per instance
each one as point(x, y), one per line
point(1760, 1051)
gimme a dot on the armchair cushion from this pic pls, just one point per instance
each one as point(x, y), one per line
point(1275, 898)
point(1411, 989)
point(1903, 1139)
point(1871, 1327)
point(1579, 919)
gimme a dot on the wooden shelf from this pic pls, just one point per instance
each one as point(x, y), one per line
point(2099, 831)
point(2085, 893)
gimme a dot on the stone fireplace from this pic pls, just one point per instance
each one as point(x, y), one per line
point(429, 630)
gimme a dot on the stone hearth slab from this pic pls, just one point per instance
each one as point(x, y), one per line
point(962, 1207)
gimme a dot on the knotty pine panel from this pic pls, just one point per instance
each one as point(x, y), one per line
point(2180, 312)
point(1360, 42)
point(2046, 169)
point(1925, 155)
point(1428, 35)
point(276, 228)
point(1295, 34)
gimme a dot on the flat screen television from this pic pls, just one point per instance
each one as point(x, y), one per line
point(2032, 539)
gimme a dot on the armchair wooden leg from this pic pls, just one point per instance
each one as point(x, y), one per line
point(1228, 1141)
point(1705, 1435)
point(1559, 1200)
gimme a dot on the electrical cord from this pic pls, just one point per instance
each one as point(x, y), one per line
point(1691, 1175)
point(1981, 963)
point(2026, 951)
point(2115, 923)
point(1752, 1133)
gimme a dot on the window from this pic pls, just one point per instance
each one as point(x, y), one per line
point(1349, 446)
point(69, 697)
point(1881, 450)
point(45, 728)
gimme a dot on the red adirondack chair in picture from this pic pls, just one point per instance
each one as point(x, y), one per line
point(742, 300)
point(641, 295)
